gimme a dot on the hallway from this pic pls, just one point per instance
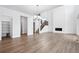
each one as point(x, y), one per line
point(41, 43)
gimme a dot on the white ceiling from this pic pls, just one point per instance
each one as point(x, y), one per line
point(31, 9)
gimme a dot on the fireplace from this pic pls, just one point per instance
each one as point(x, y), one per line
point(58, 29)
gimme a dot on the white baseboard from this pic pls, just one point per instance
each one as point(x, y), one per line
point(64, 32)
point(15, 36)
point(0, 38)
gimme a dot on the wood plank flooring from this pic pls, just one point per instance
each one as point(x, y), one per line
point(41, 43)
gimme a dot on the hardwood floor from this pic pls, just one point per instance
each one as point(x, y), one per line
point(41, 43)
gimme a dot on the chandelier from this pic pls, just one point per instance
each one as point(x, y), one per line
point(36, 16)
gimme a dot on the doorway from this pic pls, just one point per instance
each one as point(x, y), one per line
point(23, 25)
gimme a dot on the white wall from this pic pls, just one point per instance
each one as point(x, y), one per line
point(0, 30)
point(30, 26)
point(64, 17)
point(77, 18)
point(15, 15)
point(70, 22)
point(50, 20)
point(59, 19)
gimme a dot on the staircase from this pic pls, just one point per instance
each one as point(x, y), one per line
point(43, 24)
point(45, 29)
